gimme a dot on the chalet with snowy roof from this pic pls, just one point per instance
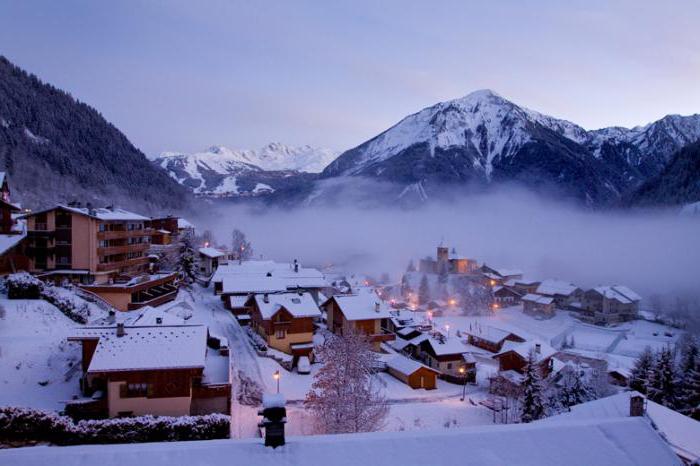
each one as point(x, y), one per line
point(562, 292)
point(447, 261)
point(514, 356)
point(504, 295)
point(185, 229)
point(150, 368)
point(240, 278)
point(610, 304)
point(536, 304)
point(412, 373)
point(494, 277)
point(490, 338)
point(285, 321)
point(209, 259)
point(363, 312)
point(85, 244)
point(523, 285)
point(448, 355)
point(680, 432)
point(12, 233)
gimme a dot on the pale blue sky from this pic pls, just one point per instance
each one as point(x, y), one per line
point(183, 75)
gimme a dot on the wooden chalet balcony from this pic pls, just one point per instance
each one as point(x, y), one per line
point(125, 263)
point(156, 301)
point(123, 249)
point(121, 234)
point(382, 337)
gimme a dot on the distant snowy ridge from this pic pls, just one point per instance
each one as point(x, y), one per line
point(223, 172)
point(272, 157)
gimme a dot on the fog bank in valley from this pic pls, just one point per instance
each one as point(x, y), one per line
point(651, 252)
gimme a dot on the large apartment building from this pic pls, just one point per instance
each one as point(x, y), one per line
point(86, 245)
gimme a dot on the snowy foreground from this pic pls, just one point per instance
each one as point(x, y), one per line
point(614, 442)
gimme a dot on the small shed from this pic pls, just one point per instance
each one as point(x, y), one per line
point(412, 373)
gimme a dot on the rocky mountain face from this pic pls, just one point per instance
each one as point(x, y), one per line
point(677, 184)
point(56, 149)
point(223, 172)
point(484, 139)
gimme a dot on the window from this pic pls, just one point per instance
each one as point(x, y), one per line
point(104, 243)
point(280, 334)
point(449, 365)
point(63, 260)
point(102, 227)
point(136, 390)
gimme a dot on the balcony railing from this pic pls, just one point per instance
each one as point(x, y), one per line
point(123, 249)
point(120, 234)
point(384, 335)
point(122, 264)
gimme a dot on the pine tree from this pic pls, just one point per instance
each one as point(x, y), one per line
point(533, 406)
point(575, 389)
point(639, 378)
point(342, 397)
point(662, 382)
point(688, 376)
point(423, 291)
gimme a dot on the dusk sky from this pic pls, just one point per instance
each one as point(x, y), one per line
point(184, 75)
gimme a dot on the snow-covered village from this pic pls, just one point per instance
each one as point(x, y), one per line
point(431, 269)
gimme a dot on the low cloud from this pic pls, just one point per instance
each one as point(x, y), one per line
point(651, 252)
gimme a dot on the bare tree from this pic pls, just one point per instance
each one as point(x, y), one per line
point(343, 397)
point(240, 246)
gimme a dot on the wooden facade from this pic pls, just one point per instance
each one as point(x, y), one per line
point(283, 331)
point(373, 328)
point(422, 377)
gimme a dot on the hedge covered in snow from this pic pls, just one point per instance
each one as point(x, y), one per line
point(75, 310)
point(23, 285)
point(26, 424)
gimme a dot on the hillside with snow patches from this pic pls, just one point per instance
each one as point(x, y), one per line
point(220, 171)
point(483, 138)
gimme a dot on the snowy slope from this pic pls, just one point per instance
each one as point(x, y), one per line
point(220, 171)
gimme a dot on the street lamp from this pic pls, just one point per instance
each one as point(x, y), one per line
point(276, 376)
point(463, 373)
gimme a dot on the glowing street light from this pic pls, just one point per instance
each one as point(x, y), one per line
point(463, 373)
point(452, 302)
point(276, 376)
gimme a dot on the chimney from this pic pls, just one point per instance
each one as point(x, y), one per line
point(538, 348)
point(376, 307)
point(636, 406)
point(266, 298)
point(159, 320)
point(296, 266)
point(120, 329)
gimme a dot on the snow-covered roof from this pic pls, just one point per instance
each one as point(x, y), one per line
point(405, 366)
point(619, 293)
point(8, 242)
point(488, 333)
point(103, 213)
point(298, 304)
point(146, 347)
point(446, 346)
point(364, 305)
point(523, 349)
point(183, 224)
point(247, 284)
point(212, 253)
point(149, 316)
point(304, 277)
point(556, 287)
point(538, 299)
point(577, 443)
point(681, 432)
point(237, 300)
